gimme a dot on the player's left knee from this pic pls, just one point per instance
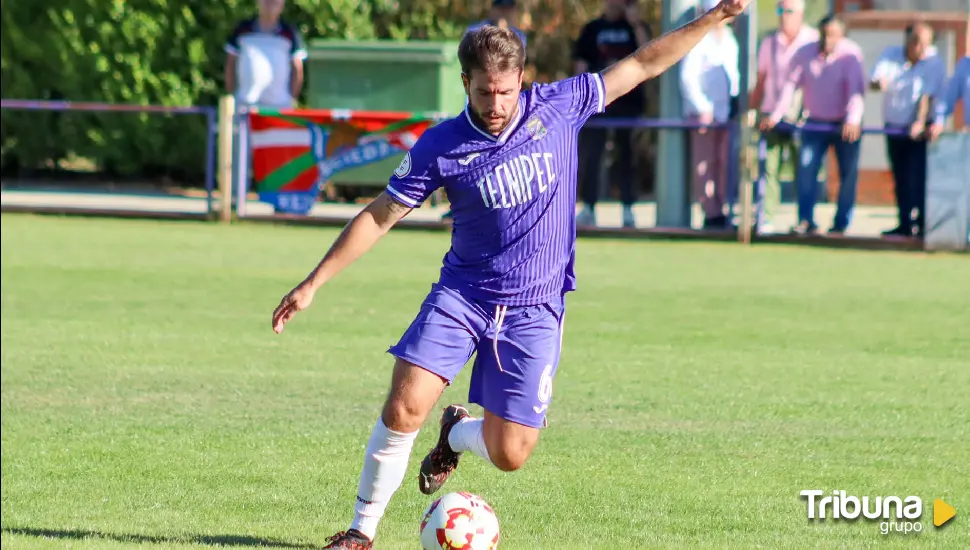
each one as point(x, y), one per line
point(511, 453)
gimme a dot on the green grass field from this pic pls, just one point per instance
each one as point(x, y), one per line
point(146, 401)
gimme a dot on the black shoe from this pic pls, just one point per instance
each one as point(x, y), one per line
point(717, 222)
point(899, 231)
point(349, 540)
point(442, 460)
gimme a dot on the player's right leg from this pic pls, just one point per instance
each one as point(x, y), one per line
point(429, 355)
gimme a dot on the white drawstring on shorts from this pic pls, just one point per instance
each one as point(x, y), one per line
point(499, 319)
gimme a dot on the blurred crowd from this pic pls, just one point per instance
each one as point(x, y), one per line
point(808, 99)
point(814, 77)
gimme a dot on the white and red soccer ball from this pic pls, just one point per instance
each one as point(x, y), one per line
point(459, 521)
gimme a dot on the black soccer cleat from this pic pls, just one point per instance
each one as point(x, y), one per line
point(442, 460)
point(349, 540)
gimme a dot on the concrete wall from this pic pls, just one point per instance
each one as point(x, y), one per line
point(948, 193)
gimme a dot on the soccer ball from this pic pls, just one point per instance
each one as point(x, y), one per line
point(459, 521)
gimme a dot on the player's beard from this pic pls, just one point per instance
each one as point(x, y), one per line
point(495, 125)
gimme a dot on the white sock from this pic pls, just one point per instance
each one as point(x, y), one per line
point(467, 435)
point(385, 464)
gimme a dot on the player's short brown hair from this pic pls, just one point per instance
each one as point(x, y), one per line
point(491, 49)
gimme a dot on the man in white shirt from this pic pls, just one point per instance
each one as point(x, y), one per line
point(264, 63)
point(709, 80)
point(910, 77)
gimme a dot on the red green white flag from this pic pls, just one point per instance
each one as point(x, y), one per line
point(295, 151)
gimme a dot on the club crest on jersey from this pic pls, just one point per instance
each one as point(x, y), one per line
point(404, 168)
point(536, 128)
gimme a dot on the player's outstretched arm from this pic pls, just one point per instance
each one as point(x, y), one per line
point(660, 54)
point(367, 227)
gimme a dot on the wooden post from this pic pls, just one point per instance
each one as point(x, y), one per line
point(747, 207)
point(227, 109)
point(747, 33)
point(746, 182)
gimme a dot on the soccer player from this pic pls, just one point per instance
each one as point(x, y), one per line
point(508, 164)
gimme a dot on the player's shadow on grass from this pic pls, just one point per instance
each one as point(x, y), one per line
point(209, 540)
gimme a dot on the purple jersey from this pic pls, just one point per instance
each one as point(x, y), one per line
point(513, 196)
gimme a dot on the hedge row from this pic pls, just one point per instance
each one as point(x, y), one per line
point(164, 52)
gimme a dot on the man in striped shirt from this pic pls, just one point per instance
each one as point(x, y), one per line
point(502, 15)
point(508, 163)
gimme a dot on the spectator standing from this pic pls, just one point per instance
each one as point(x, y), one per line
point(264, 63)
point(710, 84)
point(832, 79)
point(911, 77)
point(504, 14)
point(957, 90)
point(774, 67)
point(617, 33)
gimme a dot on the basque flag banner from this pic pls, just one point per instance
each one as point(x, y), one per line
point(294, 152)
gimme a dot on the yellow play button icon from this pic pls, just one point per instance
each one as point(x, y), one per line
point(942, 512)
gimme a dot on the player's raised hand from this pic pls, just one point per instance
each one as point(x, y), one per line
point(733, 8)
point(298, 299)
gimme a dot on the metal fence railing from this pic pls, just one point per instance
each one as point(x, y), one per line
point(210, 114)
point(797, 130)
point(732, 172)
point(228, 138)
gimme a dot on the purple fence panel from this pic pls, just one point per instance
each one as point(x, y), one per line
point(84, 106)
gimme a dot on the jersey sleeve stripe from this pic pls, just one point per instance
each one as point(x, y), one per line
point(401, 198)
point(230, 49)
point(601, 92)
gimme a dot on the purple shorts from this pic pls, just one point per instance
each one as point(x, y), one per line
point(516, 350)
